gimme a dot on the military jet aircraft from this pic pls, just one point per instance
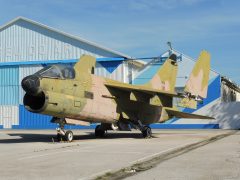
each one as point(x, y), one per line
point(73, 95)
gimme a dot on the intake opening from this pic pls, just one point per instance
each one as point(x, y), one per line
point(35, 103)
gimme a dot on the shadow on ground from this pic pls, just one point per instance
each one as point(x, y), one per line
point(48, 138)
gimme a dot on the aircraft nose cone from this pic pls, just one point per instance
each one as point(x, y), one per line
point(31, 84)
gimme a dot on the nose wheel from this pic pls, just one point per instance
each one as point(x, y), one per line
point(63, 135)
point(69, 136)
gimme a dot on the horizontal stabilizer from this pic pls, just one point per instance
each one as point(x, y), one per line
point(188, 103)
point(179, 114)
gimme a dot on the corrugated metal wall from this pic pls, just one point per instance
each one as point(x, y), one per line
point(9, 95)
point(28, 120)
point(9, 116)
point(9, 78)
point(112, 70)
point(26, 41)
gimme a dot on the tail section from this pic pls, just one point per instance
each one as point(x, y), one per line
point(165, 78)
point(197, 85)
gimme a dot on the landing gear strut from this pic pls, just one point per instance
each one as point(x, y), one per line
point(62, 135)
point(146, 130)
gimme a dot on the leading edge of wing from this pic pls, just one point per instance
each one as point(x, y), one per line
point(130, 88)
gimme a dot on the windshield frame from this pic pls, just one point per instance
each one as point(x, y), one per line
point(59, 72)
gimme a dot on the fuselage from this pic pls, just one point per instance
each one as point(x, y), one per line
point(89, 100)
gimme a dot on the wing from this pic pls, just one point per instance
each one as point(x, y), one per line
point(179, 114)
point(139, 89)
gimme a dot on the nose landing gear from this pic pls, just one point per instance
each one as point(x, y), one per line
point(62, 135)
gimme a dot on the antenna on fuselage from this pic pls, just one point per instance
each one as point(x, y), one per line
point(170, 45)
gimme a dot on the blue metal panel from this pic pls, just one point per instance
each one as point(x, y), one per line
point(111, 65)
point(9, 88)
point(28, 120)
point(22, 63)
point(147, 74)
point(185, 126)
point(9, 76)
point(9, 95)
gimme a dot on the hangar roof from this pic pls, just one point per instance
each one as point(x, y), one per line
point(139, 64)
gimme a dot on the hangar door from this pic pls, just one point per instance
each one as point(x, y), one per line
point(9, 96)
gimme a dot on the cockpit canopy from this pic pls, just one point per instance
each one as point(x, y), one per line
point(57, 71)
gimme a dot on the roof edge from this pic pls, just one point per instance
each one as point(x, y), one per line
point(63, 33)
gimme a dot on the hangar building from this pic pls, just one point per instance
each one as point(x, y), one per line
point(26, 46)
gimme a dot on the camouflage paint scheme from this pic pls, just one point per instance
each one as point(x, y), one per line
point(94, 99)
point(197, 84)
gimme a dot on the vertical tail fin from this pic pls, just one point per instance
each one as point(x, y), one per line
point(165, 78)
point(197, 84)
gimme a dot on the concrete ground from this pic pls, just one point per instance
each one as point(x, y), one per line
point(31, 154)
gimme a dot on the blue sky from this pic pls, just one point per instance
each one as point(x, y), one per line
point(141, 28)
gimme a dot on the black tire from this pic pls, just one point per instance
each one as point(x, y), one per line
point(69, 136)
point(59, 137)
point(147, 132)
point(99, 132)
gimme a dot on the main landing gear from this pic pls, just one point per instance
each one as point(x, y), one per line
point(100, 131)
point(62, 135)
point(146, 130)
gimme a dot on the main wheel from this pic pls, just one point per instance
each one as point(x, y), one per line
point(147, 132)
point(69, 136)
point(99, 132)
